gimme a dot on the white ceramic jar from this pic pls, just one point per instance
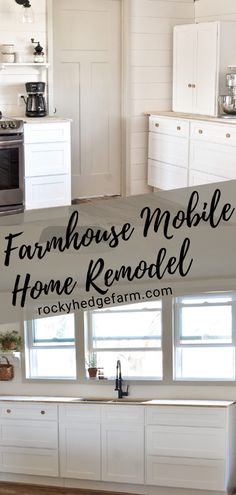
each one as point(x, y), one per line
point(8, 48)
point(8, 58)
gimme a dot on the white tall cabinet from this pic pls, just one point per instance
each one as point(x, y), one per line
point(202, 53)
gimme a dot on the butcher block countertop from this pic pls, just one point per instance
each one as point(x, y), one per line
point(124, 401)
point(191, 116)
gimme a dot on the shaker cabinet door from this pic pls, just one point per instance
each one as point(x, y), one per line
point(183, 69)
point(80, 451)
point(123, 453)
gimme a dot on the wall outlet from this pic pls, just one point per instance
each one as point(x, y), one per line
point(20, 99)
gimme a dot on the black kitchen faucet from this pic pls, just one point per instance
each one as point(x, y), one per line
point(119, 382)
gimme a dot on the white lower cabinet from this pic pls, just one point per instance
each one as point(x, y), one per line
point(123, 444)
point(189, 447)
point(122, 453)
point(80, 442)
point(47, 152)
point(190, 153)
point(190, 454)
point(29, 439)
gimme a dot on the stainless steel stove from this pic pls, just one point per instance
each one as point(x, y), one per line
point(11, 166)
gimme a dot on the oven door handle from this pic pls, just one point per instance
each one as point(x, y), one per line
point(5, 143)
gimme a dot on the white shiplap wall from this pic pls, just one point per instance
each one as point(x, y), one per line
point(214, 10)
point(12, 80)
point(152, 24)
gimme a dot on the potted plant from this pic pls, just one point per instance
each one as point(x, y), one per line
point(92, 365)
point(10, 341)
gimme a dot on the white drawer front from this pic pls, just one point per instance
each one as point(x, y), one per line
point(168, 149)
point(46, 192)
point(216, 133)
point(29, 461)
point(179, 441)
point(28, 411)
point(120, 413)
point(80, 413)
point(49, 159)
point(47, 133)
point(172, 126)
point(164, 176)
point(40, 434)
point(185, 473)
point(198, 178)
point(213, 159)
point(212, 417)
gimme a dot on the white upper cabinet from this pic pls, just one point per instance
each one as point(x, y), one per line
point(202, 53)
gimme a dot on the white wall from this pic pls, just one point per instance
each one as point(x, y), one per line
point(214, 10)
point(12, 80)
point(151, 71)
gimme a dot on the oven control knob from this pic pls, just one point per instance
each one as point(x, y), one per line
point(12, 125)
point(4, 125)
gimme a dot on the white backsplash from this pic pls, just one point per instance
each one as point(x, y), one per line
point(12, 79)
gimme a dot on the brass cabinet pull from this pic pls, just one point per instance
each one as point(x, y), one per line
point(193, 85)
point(178, 128)
point(8, 411)
point(157, 125)
point(200, 131)
point(42, 412)
point(228, 135)
point(189, 85)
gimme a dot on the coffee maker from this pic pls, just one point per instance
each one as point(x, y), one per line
point(35, 102)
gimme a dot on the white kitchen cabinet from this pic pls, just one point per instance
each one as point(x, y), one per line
point(185, 449)
point(168, 151)
point(80, 444)
point(202, 53)
point(205, 152)
point(212, 153)
point(123, 444)
point(47, 153)
point(29, 439)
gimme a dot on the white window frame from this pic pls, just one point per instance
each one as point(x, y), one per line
point(177, 327)
point(46, 344)
point(90, 348)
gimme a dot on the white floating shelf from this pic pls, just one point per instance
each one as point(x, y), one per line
point(4, 65)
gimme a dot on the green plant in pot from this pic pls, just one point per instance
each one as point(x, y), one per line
point(10, 341)
point(92, 365)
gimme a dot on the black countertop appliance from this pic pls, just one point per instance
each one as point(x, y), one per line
point(36, 102)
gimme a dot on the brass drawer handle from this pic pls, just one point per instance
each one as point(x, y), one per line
point(8, 411)
point(228, 135)
point(42, 412)
point(157, 125)
point(178, 128)
point(200, 131)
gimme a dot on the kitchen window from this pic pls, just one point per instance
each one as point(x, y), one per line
point(131, 333)
point(50, 348)
point(204, 339)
